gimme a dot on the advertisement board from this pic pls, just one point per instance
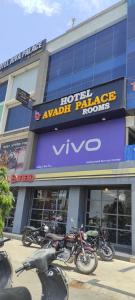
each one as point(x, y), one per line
point(80, 107)
point(94, 143)
point(12, 154)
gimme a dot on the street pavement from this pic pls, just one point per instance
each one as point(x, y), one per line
point(110, 281)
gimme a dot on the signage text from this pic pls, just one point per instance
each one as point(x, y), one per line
point(21, 178)
point(22, 55)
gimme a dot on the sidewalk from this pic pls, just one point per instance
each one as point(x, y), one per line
point(110, 281)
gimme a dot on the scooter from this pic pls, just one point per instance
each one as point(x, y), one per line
point(53, 281)
point(5, 267)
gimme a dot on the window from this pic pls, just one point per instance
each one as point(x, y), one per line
point(95, 60)
point(3, 90)
point(110, 208)
point(50, 206)
point(25, 81)
point(18, 117)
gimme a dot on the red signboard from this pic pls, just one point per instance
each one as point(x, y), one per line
point(21, 178)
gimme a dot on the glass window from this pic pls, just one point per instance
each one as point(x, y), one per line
point(18, 117)
point(109, 202)
point(25, 81)
point(124, 237)
point(124, 222)
point(50, 206)
point(3, 90)
point(95, 60)
point(124, 203)
point(111, 209)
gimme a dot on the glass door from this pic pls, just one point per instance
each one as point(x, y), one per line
point(110, 208)
point(50, 206)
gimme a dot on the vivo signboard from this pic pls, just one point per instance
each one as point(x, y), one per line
point(81, 107)
point(96, 143)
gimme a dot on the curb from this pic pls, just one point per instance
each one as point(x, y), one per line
point(13, 236)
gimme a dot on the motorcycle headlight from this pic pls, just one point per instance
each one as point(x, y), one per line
point(85, 236)
point(46, 228)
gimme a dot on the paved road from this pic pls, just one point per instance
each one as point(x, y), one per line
point(111, 280)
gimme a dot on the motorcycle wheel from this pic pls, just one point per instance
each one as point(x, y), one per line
point(26, 239)
point(88, 266)
point(5, 272)
point(106, 252)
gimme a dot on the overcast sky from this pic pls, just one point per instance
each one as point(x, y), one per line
point(25, 22)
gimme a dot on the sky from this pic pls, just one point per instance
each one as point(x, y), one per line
point(25, 22)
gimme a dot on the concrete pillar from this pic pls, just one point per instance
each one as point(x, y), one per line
point(73, 207)
point(38, 96)
point(42, 77)
point(22, 210)
point(81, 213)
point(133, 217)
point(30, 151)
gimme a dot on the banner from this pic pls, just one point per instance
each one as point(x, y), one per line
point(95, 143)
point(12, 154)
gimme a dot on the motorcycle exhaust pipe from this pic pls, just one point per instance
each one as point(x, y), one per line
point(29, 239)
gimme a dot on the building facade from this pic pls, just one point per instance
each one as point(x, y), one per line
point(75, 152)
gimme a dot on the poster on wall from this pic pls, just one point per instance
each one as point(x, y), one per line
point(12, 154)
point(94, 143)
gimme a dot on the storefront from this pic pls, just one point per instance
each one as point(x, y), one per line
point(76, 171)
point(110, 207)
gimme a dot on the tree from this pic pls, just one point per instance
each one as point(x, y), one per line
point(6, 198)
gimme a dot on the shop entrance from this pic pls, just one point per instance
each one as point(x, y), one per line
point(110, 208)
point(50, 206)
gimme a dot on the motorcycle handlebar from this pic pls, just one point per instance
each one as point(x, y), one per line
point(19, 270)
point(25, 266)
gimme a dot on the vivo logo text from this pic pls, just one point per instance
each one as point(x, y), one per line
point(89, 145)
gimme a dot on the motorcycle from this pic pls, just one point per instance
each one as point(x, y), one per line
point(99, 241)
point(34, 235)
point(5, 267)
point(74, 248)
point(53, 281)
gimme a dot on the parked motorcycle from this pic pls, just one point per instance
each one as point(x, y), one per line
point(32, 235)
point(99, 241)
point(5, 267)
point(53, 281)
point(74, 248)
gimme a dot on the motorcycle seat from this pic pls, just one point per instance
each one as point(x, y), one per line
point(17, 293)
point(31, 228)
point(55, 237)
